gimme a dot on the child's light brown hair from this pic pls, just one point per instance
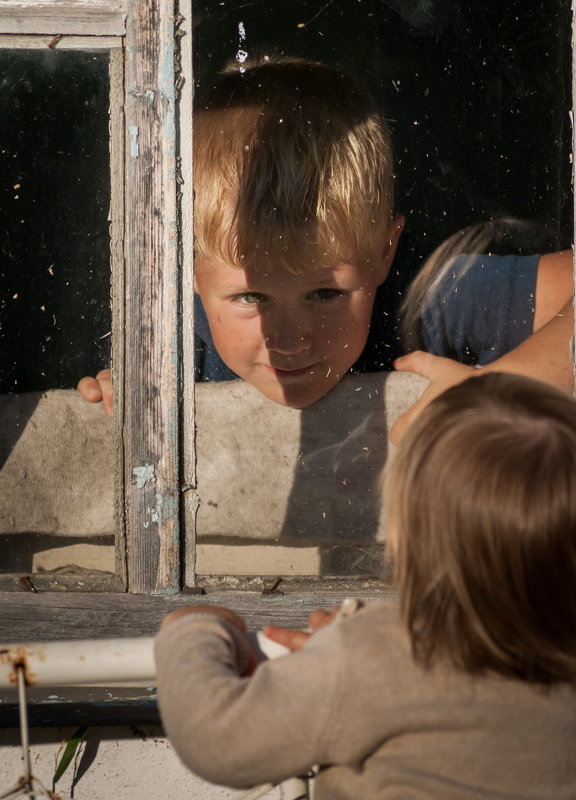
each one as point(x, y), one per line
point(293, 168)
point(482, 505)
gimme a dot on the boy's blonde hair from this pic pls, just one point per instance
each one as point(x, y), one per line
point(482, 502)
point(293, 168)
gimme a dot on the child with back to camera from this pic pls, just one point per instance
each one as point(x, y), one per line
point(295, 240)
point(464, 690)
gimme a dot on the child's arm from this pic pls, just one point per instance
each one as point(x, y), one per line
point(545, 355)
point(235, 730)
point(97, 389)
point(554, 286)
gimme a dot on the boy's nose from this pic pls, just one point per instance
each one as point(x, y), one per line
point(288, 340)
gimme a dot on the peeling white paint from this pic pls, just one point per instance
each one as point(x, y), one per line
point(144, 475)
point(134, 147)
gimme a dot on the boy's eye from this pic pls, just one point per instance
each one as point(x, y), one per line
point(250, 298)
point(326, 294)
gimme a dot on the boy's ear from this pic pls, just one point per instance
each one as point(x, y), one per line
point(394, 232)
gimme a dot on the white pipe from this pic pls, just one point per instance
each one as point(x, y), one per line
point(65, 663)
point(92, 661)
point(78, 661)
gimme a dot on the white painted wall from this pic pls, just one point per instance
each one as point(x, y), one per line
point(116, 763)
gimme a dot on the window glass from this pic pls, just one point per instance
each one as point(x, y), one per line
point(478, 99)
point(55, 317)
point(54, 162)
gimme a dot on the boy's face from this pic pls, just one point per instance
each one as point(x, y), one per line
point(292, 337)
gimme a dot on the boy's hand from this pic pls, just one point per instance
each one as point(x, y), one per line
point(441, 372)
point(97, 389)
point(217, 611)
point(295, 639)
point(544, 356)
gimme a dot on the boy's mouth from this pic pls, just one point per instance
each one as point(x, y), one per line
point(290, 373)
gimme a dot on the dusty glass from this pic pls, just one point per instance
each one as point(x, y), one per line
point(478, 99)
point(55, 319)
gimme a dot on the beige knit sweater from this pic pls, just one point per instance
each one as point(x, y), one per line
point(353, 701)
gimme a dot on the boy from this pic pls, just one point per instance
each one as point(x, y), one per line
point(295, 239)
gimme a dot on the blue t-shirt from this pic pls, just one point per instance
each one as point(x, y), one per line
point(482, 308)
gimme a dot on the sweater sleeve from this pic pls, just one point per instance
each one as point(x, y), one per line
point(240, 731)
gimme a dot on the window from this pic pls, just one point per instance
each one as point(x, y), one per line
point(494, 149)
point(144, 247)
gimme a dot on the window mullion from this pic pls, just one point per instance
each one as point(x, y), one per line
point(148, 406)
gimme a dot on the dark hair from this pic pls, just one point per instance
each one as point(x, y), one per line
point(482, 509)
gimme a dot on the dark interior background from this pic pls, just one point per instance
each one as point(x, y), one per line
point(477, 93)
point(54, 203)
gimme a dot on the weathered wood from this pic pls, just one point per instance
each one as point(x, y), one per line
point(53, 616)
point(189, 477)
point(14, 42)
point(63, 17)
point(39, 582)
point(50, 616)
point(150, 405)
point(117, 285)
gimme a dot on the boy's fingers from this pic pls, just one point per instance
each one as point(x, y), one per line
point(439, 369)
point(104, 378)
point(104, 375)
point(292, 639)
point(97, 389)
point(419, 362)
point(441, 372)
point(90, 390)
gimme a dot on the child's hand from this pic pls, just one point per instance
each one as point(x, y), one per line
point(97, 389)
point(441, 372)
point(217, 611)
point(295, 639)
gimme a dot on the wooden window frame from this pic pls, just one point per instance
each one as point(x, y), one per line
point(152, 265)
